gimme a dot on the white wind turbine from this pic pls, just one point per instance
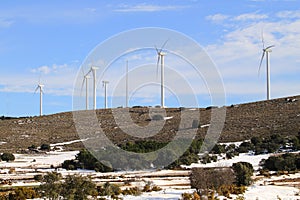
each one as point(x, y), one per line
point(93, 70)
point(266, 51)
point(85, 81)
point(126, 84)
point(160, 57)
point(105, 92)
point(40, 88)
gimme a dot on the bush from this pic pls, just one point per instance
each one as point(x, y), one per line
point(78, 187)
point(38, 177)
point(285, 162)
point(205, 179)
point(7, 157)
point(23, 193)
point(218, 149)
point(45, 147)
point(243, 172)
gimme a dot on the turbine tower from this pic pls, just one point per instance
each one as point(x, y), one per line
point(126, 84)
point(40, 88)
point(266, 51)
point(93, 70)
point(85, 81)
point(160, 57)
point(105, 93)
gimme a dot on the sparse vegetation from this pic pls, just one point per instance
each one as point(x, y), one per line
point(7, 157)
point(85, 160)
point(73, 187)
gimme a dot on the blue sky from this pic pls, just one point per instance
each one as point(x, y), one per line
point(49, 40)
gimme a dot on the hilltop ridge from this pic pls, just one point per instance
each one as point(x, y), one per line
point(243, 121)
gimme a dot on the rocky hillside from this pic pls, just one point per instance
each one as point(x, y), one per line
point(242, 122)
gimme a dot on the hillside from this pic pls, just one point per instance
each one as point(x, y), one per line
point(242, 122)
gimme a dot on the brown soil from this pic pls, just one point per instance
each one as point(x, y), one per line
point(242, 122)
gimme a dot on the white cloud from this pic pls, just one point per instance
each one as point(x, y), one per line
point(4, 23)
point(147, 8)
point(289, 14)
point(238, 55)
point(217, 18)
point(50, 69)
point(250, 16)
point(58, 80)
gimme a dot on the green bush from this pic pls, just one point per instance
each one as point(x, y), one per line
point(23, 193)
point(7, 157)
point(243, 172)
point(45, 147)
point(285, 162)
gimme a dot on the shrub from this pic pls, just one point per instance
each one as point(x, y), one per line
point(243, 172)
point(38, 177)
point(285, 162)
point(7, 157)
point(78, 187)
point(23, 193)
point(205, 179)
point(45, 147)
point(51, 186)
point(218, 149)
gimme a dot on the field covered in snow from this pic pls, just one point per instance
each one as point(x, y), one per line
point(173, 182)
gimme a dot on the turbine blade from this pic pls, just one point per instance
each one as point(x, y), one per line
point(36, 89)
point(82, 84)
point(262, 39)
point(261, 60)
point(156, 49)
point(269, 47)
point(163, 45)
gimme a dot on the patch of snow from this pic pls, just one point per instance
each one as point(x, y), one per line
point(166, 118)
point(69, 142)
point(270, 192)
point(163, 194)
point(243, 157)
point(205, 125)
point(41, 160)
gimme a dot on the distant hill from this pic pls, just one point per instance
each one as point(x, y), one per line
point(243, 121)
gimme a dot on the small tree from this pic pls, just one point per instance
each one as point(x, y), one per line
point(243, 172)
point(7, 157)
point(205, 179)
point(51, 186)
point(78, 187)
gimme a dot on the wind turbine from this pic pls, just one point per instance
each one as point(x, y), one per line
point(105, 93)
point(85, 81)
point(40, 88)
point(160, 57)
point(266, 51)
point(127, 84)
point(93, 70)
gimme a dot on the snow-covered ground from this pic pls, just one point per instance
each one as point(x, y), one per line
point(243, 157)
point(39, 160)
point(172, 182)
